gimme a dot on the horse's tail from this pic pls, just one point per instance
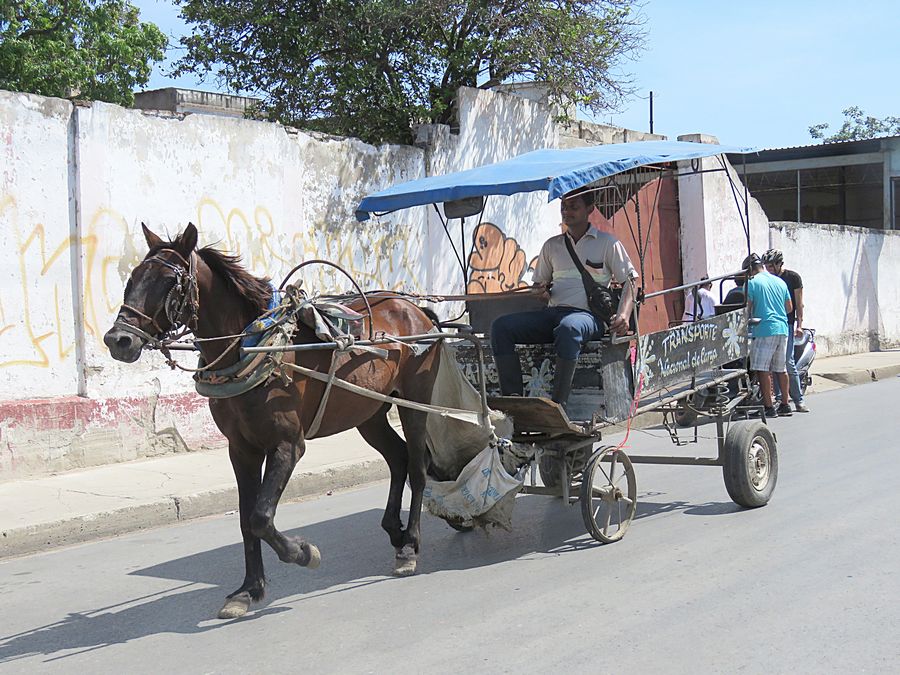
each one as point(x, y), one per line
point(431, 314)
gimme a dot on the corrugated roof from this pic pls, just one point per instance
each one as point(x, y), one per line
point(817, 150)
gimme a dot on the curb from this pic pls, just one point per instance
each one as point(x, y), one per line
point(863, 375)
point(176, 509)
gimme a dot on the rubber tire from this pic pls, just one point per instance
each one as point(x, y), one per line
point(741, 438)
point(586, 499)
point(548, 467)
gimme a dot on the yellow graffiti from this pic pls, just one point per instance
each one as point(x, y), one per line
point(383, 257)
point(47, 256)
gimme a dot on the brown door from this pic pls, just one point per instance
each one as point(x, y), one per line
point(655, 215)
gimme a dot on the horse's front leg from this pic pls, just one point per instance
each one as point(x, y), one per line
point(280, 464)
point(247, 470)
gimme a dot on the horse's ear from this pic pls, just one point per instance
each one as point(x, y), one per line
point(188, 240)
point(152, 239)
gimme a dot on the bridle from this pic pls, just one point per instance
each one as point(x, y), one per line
point(181, 306)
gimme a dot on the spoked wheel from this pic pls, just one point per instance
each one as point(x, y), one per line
point(608, 495)
point(750, 464)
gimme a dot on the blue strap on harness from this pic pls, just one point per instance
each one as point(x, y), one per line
point(258, 327)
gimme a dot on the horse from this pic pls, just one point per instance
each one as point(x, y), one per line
point(210, 293)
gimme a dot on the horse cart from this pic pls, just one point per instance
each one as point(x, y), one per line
point(617, 378)
point(310, 364)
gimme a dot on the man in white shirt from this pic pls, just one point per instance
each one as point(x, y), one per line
point(566, 322)
point(707, 303)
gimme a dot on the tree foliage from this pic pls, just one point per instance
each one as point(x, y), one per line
point(371, 68)
point(857, 126)
point(95, 49)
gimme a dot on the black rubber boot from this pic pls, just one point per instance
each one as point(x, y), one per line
point(509, 372)
point(562, 380)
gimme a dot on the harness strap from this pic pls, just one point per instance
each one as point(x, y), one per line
point(463, 415)
point(320, 413)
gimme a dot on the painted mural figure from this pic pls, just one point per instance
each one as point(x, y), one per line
point(566, 321)
point(497, 262)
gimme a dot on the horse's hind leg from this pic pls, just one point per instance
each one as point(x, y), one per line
point(280, 463)
point(414, 430)
point(378, 433)
point(247, 471)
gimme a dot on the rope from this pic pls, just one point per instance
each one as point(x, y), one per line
point(634, 402)
point(320, 413)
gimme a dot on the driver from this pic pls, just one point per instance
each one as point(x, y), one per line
point(566, 321)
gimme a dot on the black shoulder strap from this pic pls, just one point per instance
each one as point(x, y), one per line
point(586, 277)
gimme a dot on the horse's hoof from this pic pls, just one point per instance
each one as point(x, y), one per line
point(405, 561)
point(315, 558)
point(234, 607)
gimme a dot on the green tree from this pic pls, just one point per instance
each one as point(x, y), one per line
point(371, 68)
point(857, 126)
point(93, 49)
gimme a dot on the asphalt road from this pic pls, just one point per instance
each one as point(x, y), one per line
point(807, 584)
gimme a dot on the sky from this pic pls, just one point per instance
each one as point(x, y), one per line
point(756, 73)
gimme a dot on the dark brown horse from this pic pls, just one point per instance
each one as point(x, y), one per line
point(210, 292)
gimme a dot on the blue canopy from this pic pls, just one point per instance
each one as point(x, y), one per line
point(557, 171)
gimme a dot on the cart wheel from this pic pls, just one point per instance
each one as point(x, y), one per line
point(608, 495)
point(750, 464)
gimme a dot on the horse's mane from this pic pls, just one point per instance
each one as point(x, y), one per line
point(255, 291)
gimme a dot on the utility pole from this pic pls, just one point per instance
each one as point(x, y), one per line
point(651, 112)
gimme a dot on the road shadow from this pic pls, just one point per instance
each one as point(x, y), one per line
point(356, 553)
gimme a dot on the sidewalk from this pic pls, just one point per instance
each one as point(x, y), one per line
point(43, 513)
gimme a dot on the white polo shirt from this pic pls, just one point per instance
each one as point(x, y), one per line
point(602, 255)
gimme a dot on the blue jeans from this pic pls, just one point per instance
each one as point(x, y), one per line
point(793, 375)
point(568, 328)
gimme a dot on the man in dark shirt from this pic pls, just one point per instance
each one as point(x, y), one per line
point(774, 262)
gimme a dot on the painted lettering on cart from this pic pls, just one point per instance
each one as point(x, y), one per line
point(675, 355)
point(687, 333)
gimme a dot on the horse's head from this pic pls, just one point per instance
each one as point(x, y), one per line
point(161, 296)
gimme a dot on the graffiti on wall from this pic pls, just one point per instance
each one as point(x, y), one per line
point(497, 262)
point(33, 330)
point(36, 328)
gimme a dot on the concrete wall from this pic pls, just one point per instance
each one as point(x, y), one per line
point(714, 214)
point(77, 181)
point(851, 283)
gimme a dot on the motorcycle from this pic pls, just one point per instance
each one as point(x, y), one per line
point(804, 355)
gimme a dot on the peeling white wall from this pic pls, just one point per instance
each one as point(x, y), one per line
point(715, 212)
point(493, 127)
point(38, 351)
point(277, 198)
point(851, 283)
point(76, 182)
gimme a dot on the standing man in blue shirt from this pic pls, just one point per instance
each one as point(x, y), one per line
point(769, 300)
